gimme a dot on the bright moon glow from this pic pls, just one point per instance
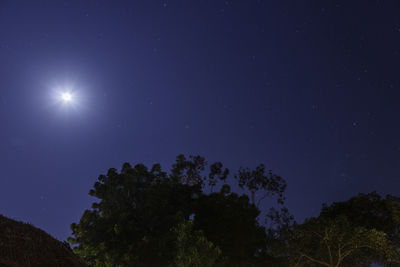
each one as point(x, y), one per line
point(66, 97)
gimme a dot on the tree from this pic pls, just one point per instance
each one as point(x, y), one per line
point(333, 243)
point(280, 225)
point(230, 222)
point(131, 223)
point(357, 232)
point(370, 211)
point(257, 181)
point(193, 248)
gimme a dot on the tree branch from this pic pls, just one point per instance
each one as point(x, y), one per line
point(315, 260)
point(328, 247)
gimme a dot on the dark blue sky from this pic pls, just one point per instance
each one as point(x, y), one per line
point(310, 88)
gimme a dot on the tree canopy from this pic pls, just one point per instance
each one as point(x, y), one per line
point(357, 232)
point(135, 221)
point(193, 248)
point(190, 217)
point(336, 243)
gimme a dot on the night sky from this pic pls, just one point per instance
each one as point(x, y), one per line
point(310, 88)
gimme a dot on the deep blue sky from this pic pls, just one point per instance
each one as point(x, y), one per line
point(310, 88)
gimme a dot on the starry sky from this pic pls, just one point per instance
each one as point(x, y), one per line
point(310, 88)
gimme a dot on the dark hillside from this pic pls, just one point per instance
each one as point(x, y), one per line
point(22, 244)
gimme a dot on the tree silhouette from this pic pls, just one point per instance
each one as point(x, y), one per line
point(336, 243)
point(139, 209)
point(358, 232)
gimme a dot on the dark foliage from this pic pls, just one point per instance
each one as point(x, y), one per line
point(133, 223)
point(358, 232)
point(230, 222)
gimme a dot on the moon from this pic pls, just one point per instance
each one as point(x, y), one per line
point(66, 97)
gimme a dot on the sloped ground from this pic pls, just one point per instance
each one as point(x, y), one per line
point(23, 245)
